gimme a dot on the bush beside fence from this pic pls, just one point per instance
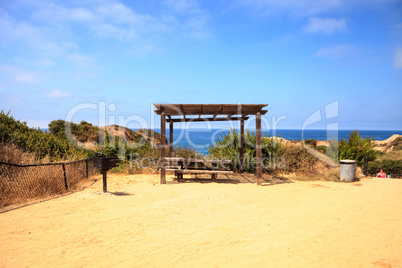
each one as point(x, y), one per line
point(19, 183)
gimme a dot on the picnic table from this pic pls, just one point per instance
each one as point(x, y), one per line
point(197, 166)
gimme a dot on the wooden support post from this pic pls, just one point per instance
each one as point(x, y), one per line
point(241, 166)
point(258, 148)
point(104, 180)
point(163, 136)
point(171, 138)
point(65, 176)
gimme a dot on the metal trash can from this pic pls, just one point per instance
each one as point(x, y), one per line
point(348, 170)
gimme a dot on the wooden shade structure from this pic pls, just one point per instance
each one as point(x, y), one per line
point(171, 113)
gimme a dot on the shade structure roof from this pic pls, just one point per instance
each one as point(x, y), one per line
point(210, 109)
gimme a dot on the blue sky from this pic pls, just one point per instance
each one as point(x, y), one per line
point(122, 56)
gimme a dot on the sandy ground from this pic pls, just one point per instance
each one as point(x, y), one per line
point(143, 224)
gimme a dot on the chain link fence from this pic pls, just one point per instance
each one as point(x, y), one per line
point(18, 183)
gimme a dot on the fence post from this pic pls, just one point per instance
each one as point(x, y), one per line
point(65, 176)
point(365, 166)
point(104, 180)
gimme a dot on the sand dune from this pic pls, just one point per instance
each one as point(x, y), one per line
point(144, 224)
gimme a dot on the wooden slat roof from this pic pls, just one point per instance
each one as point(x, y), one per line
point(210, 109)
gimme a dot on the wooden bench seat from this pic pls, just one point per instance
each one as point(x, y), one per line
point(200, 171)
point(181, 166)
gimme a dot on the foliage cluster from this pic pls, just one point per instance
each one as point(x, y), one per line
point(31, 140)
point(397, 143)
point(147, 158)
point(355, 148)
point(297, 159)
point(83, 132)
point(313, 144)
point(150, 134)
point(227, 146)
point(129, 134)
point(389, 166)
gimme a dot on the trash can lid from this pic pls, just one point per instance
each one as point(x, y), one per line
point(348, 161)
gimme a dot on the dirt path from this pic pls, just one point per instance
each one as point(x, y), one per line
point(142, 223)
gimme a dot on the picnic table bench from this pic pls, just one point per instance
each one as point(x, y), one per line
point(197, 166)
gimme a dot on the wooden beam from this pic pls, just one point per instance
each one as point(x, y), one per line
point(162, 143)
point(209, 109)
point(181, 110)
point(171, 138)
point(219, 111)
point(241, 146)
point(205, 119)
point(258, 148)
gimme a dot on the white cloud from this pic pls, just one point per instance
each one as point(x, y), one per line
point(54, 29)
point(19, 75)
point(44, 40)
point(81, 59)
point(398, 58)
point(305, 8)
point(44, 62)
point(325, 25)
point(25, 78)
point(105, 19)
point(292, 7)
point(191, 18)
point(336, 51)
point(58, 94)
point(182, 5)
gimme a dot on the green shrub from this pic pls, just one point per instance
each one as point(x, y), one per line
point(311, 142)
point(388, 166)
point(356, 148)
point(32, 140)
point(83, 132)
point(321, 148)
point(227, 147)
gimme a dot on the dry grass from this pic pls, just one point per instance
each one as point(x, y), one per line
point(13, 154)
point(393, 155)
point(20, 183)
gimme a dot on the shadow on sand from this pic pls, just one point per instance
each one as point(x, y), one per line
point(267, 180)
point(120, 193)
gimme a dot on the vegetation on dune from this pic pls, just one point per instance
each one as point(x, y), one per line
point(354, 148)
point(297, 159)
point(112, 141)
point(278, 157)
point(35, 141)
point(390, 162)
point(227, 147)
point(397, 143)
point(129, 134)
point(357, 148)
point(150, 134)
point(82, 132)
point(389, 166)
point(139, 151)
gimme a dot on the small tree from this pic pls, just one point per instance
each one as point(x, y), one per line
point(356, 148)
